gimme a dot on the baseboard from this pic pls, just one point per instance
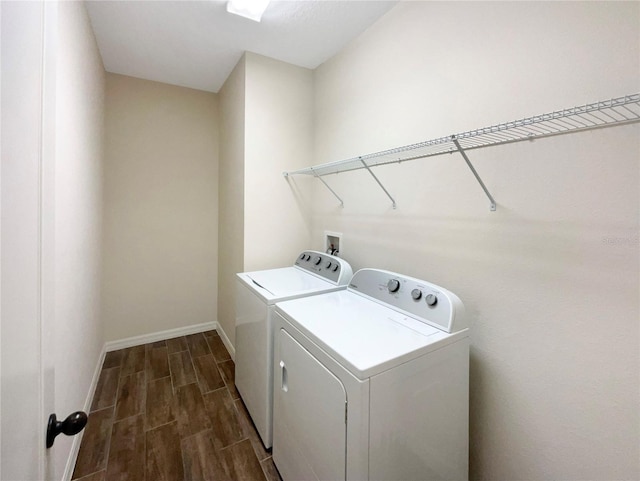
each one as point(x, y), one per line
point(77, 440)
point(160, 336)
point(227, 342)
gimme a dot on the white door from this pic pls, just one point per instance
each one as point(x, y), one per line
point(309, 416)
point(26, 241)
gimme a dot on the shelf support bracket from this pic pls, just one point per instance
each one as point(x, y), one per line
point(393, 202)
point(466, 159)
point(327, 186)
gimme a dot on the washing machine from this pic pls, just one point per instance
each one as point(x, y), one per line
point(256, 294)
point(372, 383)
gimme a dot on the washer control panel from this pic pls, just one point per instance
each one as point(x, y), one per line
point(328, 267)
point(420, 299)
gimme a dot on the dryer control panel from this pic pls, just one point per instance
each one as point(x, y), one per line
point(328, 267)
point(420, 299)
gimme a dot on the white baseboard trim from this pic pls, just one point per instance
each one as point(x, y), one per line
point(160, 336)
point(77, 440)
point(227, 342)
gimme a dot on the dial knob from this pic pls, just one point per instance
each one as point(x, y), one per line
point(335, 267)
point(393, 285)
point(416, 294)
point(317, 260)
point(328, 265)
point(431, 299)
point(302, 256)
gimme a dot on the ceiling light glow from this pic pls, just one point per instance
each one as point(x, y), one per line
point(251, 9)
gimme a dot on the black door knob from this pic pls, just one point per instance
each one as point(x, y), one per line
point(74, 423)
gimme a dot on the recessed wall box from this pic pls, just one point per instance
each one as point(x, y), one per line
point(333, 243)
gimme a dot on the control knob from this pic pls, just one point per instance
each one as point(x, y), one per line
point(393, 285)
point(431, 299)
point(416, 294)
point(328, 265)
point(317, 260)
point(335, 267)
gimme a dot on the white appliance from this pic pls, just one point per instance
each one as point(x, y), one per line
point(372, 383)
point(257, 292)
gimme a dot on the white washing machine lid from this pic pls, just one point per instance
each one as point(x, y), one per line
point(364, 336)
point(274, 285)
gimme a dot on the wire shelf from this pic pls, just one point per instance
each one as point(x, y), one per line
point(606, 113)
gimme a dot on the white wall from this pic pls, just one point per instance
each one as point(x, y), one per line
point(160, 207)
point(550, 279)
point(78, 333)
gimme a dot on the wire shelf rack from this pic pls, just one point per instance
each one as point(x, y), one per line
point(606, 113)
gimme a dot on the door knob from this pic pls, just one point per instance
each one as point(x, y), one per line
point(74, 423)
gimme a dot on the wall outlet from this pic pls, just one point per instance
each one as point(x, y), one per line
point(333, 243)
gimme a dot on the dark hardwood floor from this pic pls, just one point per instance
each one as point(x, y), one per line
point(169, 411)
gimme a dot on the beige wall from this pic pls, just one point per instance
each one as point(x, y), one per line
point(551, 278)
point(78, 333)
point(160, 207)
point(266, 128)
point(231, 197)
point(278, 137)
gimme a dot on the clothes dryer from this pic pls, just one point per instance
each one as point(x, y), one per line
point(372, 383)
point(256, 294)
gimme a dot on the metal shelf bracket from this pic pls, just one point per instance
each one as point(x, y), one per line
point(327, 186)
point(393, 202)
point(473, 170)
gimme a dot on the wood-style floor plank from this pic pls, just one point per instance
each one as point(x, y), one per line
point(153, 345)
point(132, 360)
point(197, 345)
point(107, 389)
point(181, 367)
point(94, 449)
point(208, 334)
point(201, 460)
point(191, 413)
point(224, 417)
point(113, 359)
point(164, 454)
point(157, 363)
point(218, 349)
point(270, 471)
point(131, 396)
point(228, 373)
point(99, 476)
point(249, 430)
point(240, 462)
point(161, 403)
point(209, 377)
point(177, 344)
point(127, 453)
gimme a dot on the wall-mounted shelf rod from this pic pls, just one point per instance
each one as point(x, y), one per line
point(596, 115)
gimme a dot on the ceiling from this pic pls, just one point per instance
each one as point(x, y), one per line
point(196, 44)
